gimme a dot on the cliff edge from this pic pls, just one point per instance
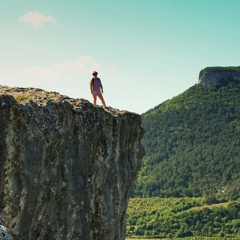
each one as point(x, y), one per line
point(216, 74)
point(66, 167)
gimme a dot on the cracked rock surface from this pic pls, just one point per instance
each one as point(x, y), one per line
point(67, 167)
point(4, 231)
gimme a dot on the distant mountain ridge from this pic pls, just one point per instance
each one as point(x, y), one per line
point(215, 74)
point(192, 144)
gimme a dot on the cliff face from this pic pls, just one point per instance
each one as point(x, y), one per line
point(66, 167)
point(217, 75)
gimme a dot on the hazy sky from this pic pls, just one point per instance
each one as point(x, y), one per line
point(146, 51)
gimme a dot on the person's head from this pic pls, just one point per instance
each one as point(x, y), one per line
point(95, 73)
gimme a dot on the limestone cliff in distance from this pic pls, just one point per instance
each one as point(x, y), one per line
point(215, 74)
point(67, 167)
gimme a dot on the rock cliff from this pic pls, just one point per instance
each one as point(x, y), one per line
point(66, 167)
point(215, 74)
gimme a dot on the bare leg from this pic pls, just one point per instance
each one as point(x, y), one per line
point(102, 99)
point(94, 99)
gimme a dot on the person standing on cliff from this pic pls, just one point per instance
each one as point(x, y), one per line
point(96, 89)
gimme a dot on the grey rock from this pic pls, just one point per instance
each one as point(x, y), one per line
point(4, 231)
point(216, 76)
point(67, 167)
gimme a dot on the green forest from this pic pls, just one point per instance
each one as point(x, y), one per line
point(182, 217)
point(219, 69)
point(192, 145)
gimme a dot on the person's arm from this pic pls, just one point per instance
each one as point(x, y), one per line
point(101, 87)
point(91, 83)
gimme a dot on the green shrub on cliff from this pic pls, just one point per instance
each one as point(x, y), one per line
point(21, 98)
point(219, 69)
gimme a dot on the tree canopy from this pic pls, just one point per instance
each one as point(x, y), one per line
point(219, 69)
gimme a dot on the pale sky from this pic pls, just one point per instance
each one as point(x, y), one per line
point(146, 51)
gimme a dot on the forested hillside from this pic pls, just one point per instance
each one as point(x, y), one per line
point(192, 144)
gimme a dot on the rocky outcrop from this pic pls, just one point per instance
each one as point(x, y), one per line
point(66, 167)
point(216, 74)
point(4, 232)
